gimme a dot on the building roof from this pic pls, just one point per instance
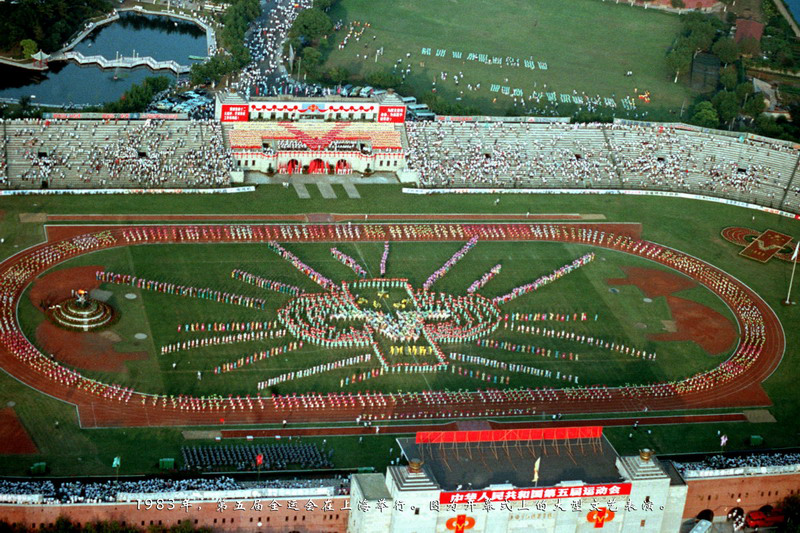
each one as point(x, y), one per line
point(235, 98)
point(372, 486)
point(486, 464)
point(748, 28)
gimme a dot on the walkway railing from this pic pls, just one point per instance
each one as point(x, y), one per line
point(125, 62)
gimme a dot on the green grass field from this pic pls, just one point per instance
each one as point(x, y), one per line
point(691, 226)
point(621, 316)
point(588, 46)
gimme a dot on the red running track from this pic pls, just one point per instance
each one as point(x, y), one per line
point(711, 390)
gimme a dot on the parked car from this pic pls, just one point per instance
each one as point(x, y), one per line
point(767, 518)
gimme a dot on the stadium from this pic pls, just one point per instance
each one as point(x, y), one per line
point(324, 313)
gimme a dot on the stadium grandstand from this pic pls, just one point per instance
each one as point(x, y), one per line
point(659, 157)
point(323, 136)
point(114, 153)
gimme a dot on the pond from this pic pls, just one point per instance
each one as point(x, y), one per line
point(67, 83)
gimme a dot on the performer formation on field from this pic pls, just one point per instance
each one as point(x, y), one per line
point(450, 318)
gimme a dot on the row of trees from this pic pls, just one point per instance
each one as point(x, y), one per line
point(138, 97)
point(309, 39)
point(706, 33)
point(735, 96)
point(233, 54)
point(733, 103)
point(779, 44)
point(50, 23)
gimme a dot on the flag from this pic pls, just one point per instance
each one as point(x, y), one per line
point(796, 249)
point(723, 441)
point(117, 462)
point(536, 470)
point(259, 459)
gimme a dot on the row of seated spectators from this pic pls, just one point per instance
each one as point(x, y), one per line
point(66, 492)
point(124, 153)
point(512, 154)
point(243, 457)
point(722, 462)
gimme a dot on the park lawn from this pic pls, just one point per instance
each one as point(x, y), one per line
point(588, 46)
point(623, 316)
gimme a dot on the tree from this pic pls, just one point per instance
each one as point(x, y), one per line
point(48, 23)
point(25, 105)
point(705, 115)
point(755, 106)
point(769, 127)
point(727, 105)
point(311, 24)
point(677, 4)
point(311, 59)
point(726, 50)
point(750, 46)
point(679, 60)
point(323, 5)
point(29, 47)
point(383, 79)
point(701, 38)
point(791, 510)
point(138, 97)
point(701, 25)
point(338, 75)
point(728, 77)
point(743, 90)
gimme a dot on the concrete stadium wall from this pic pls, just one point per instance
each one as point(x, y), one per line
point(204, 513)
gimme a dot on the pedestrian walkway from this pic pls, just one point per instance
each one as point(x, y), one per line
point(301, 190)
point(351, 190)
point(326, 190)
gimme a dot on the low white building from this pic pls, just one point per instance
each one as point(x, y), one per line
point(488, 487)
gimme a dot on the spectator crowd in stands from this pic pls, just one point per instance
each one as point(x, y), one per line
point(243, 457)
point(106, 491)
point(616, 156)
point(756, 460)
point(120, 153)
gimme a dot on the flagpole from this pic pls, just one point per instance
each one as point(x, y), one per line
point(788, 300)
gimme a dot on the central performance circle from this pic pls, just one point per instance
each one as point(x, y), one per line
point(377, 311)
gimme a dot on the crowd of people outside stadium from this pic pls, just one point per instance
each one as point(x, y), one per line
point(265, 75)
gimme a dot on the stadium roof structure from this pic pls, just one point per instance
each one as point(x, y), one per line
point(478, 461)
point(233, 98)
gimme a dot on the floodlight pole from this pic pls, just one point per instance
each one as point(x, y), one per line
point(788, 301)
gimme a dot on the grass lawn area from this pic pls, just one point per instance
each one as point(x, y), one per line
point(588, 46)
point(623, 317)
